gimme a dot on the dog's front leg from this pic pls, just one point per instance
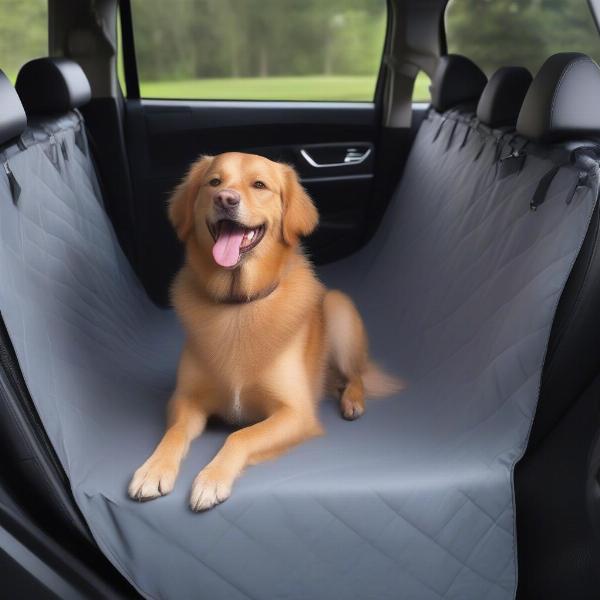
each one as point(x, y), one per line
point(186, 419)
point(286, 427)
point(156, 477)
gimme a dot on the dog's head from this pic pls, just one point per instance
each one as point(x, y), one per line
point(241, 206)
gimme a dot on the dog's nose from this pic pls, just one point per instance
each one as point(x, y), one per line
point(227, 199)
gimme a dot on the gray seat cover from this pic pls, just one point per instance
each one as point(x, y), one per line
point(458, 289)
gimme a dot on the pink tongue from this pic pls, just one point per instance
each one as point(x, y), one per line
point(226, 250)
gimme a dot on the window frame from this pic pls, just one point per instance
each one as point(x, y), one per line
point(132, 84)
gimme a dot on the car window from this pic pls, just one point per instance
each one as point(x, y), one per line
point(496, 33)
point(259, 49)
point(421, 88)
point(23, 33)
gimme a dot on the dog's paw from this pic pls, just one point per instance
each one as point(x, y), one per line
point(352, 404)
point(209, 489)
point(351, 413)
point(153, 479)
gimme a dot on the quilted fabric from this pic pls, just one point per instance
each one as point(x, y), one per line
point(414, 501)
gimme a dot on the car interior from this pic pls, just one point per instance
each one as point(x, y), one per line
point(464, 227)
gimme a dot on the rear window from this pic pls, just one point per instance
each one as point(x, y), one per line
point(23, 33)
point(259, 49)
point(496, 33)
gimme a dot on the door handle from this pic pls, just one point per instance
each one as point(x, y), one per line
point(353, 157)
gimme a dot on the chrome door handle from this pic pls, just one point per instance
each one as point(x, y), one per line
point(353, 157)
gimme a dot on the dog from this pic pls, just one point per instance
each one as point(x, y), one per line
point(264, 337)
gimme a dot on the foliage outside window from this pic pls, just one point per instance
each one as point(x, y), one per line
point(259, 49)
point(496, 33)
point(421, 88)
point(23, 33)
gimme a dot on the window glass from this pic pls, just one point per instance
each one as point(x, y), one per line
point(421, 88)
point(120, 65)
point(495, 33)
point(259, 49)
point(23, 33)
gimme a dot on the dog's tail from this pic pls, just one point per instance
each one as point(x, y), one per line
point(378, 383)
point(349, 350)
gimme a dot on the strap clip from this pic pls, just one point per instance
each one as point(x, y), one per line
point(15, 188)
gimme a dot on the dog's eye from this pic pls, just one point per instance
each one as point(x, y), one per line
point(260, 185)
point(214, 182)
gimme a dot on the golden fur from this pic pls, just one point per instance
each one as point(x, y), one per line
point(272, 356)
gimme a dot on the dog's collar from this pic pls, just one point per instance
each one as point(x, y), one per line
point(246, 299)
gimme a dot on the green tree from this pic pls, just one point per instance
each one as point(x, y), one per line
point(23, 33)
point(231, 38)
point(496, 33)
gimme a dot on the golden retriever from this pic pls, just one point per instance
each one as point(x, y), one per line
point(264, 337)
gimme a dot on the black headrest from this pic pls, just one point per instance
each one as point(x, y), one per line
point(457, 80)
point(52, 85)
point(503, 96)
point(13, 120)
point(563, 102)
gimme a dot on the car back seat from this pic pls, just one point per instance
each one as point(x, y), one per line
point(458, 289)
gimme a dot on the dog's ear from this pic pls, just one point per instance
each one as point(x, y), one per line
point(300, 217)
point(181, 203)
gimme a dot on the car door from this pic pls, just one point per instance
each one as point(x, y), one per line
point(296, 82)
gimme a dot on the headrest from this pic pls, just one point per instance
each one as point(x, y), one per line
point(52, 85)
point(13, 120)
point(456, 80)
point(563, 101)
point(503, 96)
